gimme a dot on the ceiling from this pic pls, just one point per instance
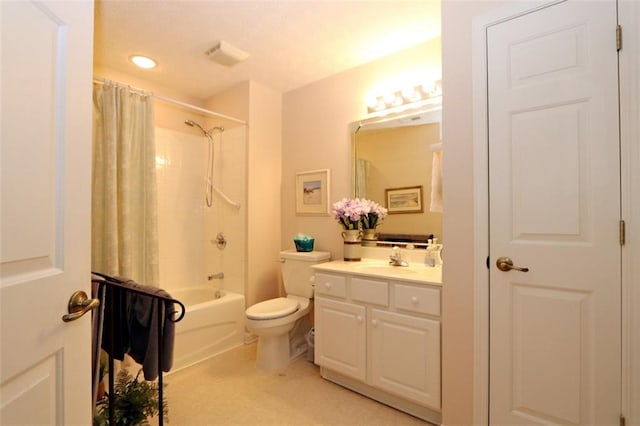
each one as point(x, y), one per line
point(291, 43)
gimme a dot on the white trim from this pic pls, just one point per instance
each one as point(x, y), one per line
point(481, 221)
point(629, 19)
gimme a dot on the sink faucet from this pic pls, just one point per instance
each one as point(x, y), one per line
point(396, 257)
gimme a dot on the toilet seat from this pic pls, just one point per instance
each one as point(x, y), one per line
point(273, 308)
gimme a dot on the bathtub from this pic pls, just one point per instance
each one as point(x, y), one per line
point(213, 323)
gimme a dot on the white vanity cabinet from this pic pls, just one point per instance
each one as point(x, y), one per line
point(340, 342)
point(380, 337)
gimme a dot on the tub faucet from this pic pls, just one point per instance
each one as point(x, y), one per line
point(396, 257)
point(216, 276)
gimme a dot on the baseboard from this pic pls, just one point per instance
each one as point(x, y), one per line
point(249, 338)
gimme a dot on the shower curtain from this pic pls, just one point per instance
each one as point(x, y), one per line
point(362, 177)
point(124, 217)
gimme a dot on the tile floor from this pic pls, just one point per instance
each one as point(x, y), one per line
point(228, 390)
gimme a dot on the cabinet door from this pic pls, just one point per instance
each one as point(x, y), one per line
point(405, 356)
point(340, 337)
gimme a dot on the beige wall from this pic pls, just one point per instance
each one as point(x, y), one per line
point(458, 291)
point(264, 164)
point(261, 107)
point(316, 136)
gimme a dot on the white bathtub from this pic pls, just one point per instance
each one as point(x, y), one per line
point(210, 326)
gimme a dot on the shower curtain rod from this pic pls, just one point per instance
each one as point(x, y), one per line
point(103, 80)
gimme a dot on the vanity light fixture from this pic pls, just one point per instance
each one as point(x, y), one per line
point(143, 62)
point(404, 97)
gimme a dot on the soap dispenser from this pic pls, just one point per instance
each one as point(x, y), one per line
point(437, 252)
point(433, 256)
point(429, 259)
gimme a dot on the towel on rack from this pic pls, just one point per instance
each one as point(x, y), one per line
point(115, 322)
point(143, 314)
point(436, 183)
point(135, 325)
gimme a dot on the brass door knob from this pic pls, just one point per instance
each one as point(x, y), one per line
point(506, 264)
point(79, 304)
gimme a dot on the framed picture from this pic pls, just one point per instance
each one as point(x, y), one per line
point(404, 200)
point(312, 193)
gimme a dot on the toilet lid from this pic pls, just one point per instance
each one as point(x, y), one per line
point(273, 308)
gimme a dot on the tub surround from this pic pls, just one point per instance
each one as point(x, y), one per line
point(377, 331)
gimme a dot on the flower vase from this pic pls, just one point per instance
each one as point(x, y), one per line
point(352, 245)
point(369, 237)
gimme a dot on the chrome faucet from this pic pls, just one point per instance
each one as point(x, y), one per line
point(396, 257)
point(216, 276)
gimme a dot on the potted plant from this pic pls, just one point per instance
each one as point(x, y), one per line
point(134, 401)
point(372, 215)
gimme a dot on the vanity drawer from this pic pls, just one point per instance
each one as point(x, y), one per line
point(370, 291)
point(417, 299)
point(331, 285)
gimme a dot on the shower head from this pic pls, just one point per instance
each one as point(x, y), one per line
point(192, 123)
point(207, 133)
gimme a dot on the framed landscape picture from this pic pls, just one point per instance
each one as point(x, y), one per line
point(312, 193)
point(404, 200)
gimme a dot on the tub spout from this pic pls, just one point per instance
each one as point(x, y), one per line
point(216, 276)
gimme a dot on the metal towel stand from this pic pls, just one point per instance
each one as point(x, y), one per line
point(115, 282)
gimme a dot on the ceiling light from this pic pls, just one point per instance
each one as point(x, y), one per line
point(143, 62)
point(225, 54)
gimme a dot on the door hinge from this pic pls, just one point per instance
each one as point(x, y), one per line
point(619, 37)
point(622, 232)
point(623, 421)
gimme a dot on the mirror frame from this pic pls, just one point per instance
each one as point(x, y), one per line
point(432, 108)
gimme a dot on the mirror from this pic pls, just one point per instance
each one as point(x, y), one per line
point(392, 165)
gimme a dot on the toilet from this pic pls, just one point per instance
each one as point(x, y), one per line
point(282, 324)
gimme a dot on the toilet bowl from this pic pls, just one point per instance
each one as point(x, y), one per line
point(275, 333)
point(281, 324)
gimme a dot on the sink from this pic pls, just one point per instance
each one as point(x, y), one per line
point(413, 272)
point(385, 269)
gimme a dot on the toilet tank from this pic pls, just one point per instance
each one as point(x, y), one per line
point(297, 274)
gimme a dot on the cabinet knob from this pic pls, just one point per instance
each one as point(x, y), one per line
point(374, 322)
point(327, 285)
point(359, 318)
point(414, 299)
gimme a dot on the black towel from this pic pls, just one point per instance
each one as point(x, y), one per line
point(135, 320)
point(143, 314)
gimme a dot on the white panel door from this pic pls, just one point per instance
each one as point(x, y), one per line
point(340, 337)
point(555, 209)
point(45, 211)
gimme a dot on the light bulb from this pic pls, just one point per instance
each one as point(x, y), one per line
point(143, 61)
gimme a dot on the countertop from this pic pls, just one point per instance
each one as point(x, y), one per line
point(374, 268)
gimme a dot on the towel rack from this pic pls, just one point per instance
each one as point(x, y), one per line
point(111, 282)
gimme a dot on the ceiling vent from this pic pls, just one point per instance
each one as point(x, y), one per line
point(225, 54)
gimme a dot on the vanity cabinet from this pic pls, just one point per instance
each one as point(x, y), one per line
point(340, 340)
point(380, 337)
